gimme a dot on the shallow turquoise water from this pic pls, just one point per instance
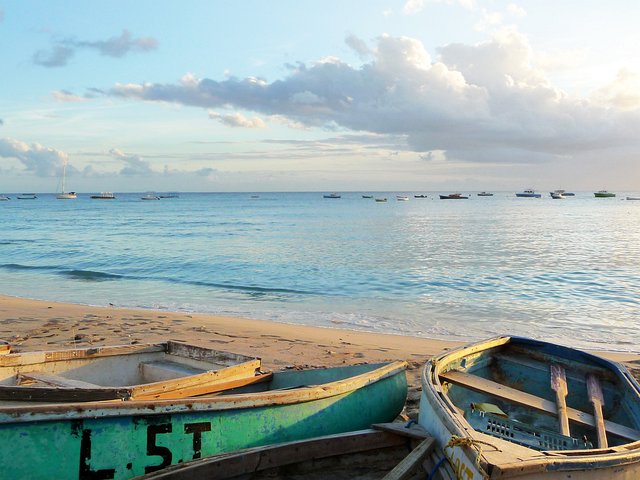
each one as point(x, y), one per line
point(562, 270)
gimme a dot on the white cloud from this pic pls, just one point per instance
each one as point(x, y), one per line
point(37, 159)
point(65, 96)
point(489, 98)
point(237, 120)
point(622, 93)
point(516, 10)
point(135, 165)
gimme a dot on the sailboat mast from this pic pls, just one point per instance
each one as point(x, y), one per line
point(64, 173)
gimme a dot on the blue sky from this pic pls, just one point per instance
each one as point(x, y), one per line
point(319, 95)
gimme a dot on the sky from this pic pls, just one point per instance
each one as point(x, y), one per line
point(331, 95)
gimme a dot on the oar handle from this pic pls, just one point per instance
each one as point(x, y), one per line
point(559, 385)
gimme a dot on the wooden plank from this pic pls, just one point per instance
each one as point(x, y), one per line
point(247, 461)
point(235, 372)
point(495, 389)
point(55, 380)
point(597, 400)
point(410, 464)
point(559, 385)
point(415, 431)
point(206, 389)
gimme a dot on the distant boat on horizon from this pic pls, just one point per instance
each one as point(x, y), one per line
point(383, 199)
point(332, 195)
point(367, 196)
point(65, 195)
point(402, 198)
point(529, 193)
point(150, 196)
point(104, 196)
point(27, 196)
point(453, 196)
point(485, 194)
point(420, 196)
point(169, 195)
point(4, 198)
point(604, 194)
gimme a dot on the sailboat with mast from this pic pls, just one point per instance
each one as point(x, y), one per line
point(65, 195)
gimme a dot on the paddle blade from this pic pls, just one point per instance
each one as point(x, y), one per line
point(558, 380)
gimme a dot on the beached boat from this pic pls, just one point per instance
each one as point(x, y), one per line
point(453, 196)
point(513, 407)
point(331, 195)
point(126, 372)
point(485, 194)
point(27, 196)
point(604, 194)
point(116, 439)
point(389, 450)
point(530, 193)
point(104, 196)
point(63, 195)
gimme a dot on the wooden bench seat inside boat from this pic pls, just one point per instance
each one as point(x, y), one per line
point(498, 390)
point(159, 371)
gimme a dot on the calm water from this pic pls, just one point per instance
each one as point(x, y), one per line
point(563, 270)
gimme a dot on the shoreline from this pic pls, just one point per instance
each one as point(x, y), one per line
point(30, 325)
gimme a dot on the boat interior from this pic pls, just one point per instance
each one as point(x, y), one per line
point(544, 398)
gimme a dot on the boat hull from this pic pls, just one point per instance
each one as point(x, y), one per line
point(124, 439)
point(476, 456)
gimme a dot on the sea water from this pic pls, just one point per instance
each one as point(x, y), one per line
point(562, 270)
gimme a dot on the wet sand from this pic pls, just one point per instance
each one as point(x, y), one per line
point(40, 325)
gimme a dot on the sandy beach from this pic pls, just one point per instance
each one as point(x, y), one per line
point(41, 325)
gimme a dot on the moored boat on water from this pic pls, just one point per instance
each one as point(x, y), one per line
point(529, 193)
point(485, 194)
point(633, 198)
point(27, 196)
point(4, 198)
point(104, 196)
point(381, 199)
point(121, 439)
point(513, 407)
point(453, 196)
point(604, 194)
point(150, 196)
point(331, 195)
point(402, 198)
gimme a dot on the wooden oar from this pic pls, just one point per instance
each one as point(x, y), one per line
point(597, 399)
point(559, 385)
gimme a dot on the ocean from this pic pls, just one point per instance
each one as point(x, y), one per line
point(566, 271)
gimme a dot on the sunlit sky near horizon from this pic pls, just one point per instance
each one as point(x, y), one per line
point(320, 95)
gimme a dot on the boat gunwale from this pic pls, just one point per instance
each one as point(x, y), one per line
point(550, 460)
point(237, 401)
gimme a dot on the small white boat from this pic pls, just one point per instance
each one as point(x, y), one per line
point(27, 196)
point(556, 195)
point(332, 195)
point(529, 193)
point(563, 193)
point(65, 195)
point(104, 196)
point(401, 198)
point(485, 194)
point(150, 196)
point(4, 198)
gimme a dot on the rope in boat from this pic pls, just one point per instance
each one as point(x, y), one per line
point(456, 441)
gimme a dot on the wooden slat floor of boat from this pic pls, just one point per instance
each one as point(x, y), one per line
point(495, 389)
point(54, 380)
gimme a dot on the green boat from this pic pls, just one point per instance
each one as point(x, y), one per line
point(604, 194)
point(117, 439)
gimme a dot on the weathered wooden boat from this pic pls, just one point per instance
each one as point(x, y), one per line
point(513, 407)
point(125, 372)
point(122, 439)
point(389, 451)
